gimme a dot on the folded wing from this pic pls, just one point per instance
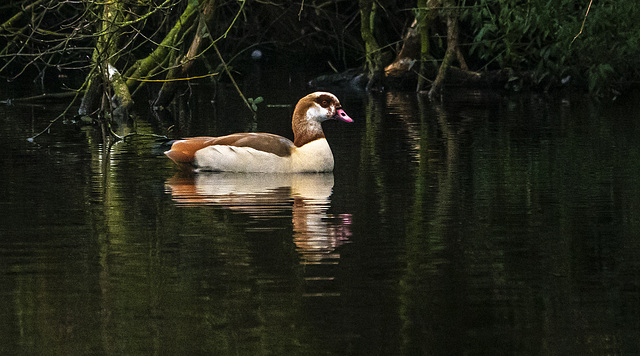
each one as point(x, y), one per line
point(183, 151)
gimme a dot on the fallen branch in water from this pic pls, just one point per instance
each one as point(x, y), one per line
point(42, 97)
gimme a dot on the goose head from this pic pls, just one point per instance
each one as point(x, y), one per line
point(309, 114)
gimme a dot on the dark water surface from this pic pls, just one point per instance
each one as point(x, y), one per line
point(485, 226)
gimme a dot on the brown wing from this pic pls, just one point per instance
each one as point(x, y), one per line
point(183, 151)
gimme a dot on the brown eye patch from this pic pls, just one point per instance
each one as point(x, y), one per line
point(324, 101)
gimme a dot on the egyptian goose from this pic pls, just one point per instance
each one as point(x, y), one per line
point(269, 153)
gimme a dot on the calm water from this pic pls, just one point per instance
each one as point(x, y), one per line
point(485, 226)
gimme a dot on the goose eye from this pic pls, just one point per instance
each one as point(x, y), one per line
point(325, 103)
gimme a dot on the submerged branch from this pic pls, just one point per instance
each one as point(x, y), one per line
point(42, 97)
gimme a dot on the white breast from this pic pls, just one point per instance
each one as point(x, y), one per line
point(315, 156)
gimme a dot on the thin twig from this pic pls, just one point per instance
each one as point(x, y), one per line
point(30, 139)
point(134, 134)
point(82, 89)
point(583, 22)
point(233, 81)
point(300, 12)
point(45, 96)
point(171, 80)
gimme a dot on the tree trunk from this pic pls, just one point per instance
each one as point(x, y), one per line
point(105, 78)
point(105, 85)
point(372, 49)
point(424, 18)
point(413, 59)
point(409, 53)
point(453, 49)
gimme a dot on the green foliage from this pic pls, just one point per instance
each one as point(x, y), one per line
point(520, 35)
point(608, 50)
point(254, 102)
point(536, 36)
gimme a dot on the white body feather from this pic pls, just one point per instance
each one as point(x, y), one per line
point(314, 156)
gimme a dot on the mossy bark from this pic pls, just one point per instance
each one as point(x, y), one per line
point(373, 52)
point(185, 62)
point(107, 89)
point(105, 78)
point(146, 65)
point(424, 17)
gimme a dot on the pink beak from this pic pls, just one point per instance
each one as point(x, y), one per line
point(341, 115)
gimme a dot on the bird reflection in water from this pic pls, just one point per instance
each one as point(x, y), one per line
point(316, 233)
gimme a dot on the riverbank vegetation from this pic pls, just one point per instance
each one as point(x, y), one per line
point(121, 49)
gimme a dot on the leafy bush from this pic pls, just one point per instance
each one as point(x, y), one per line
point(538, 36)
